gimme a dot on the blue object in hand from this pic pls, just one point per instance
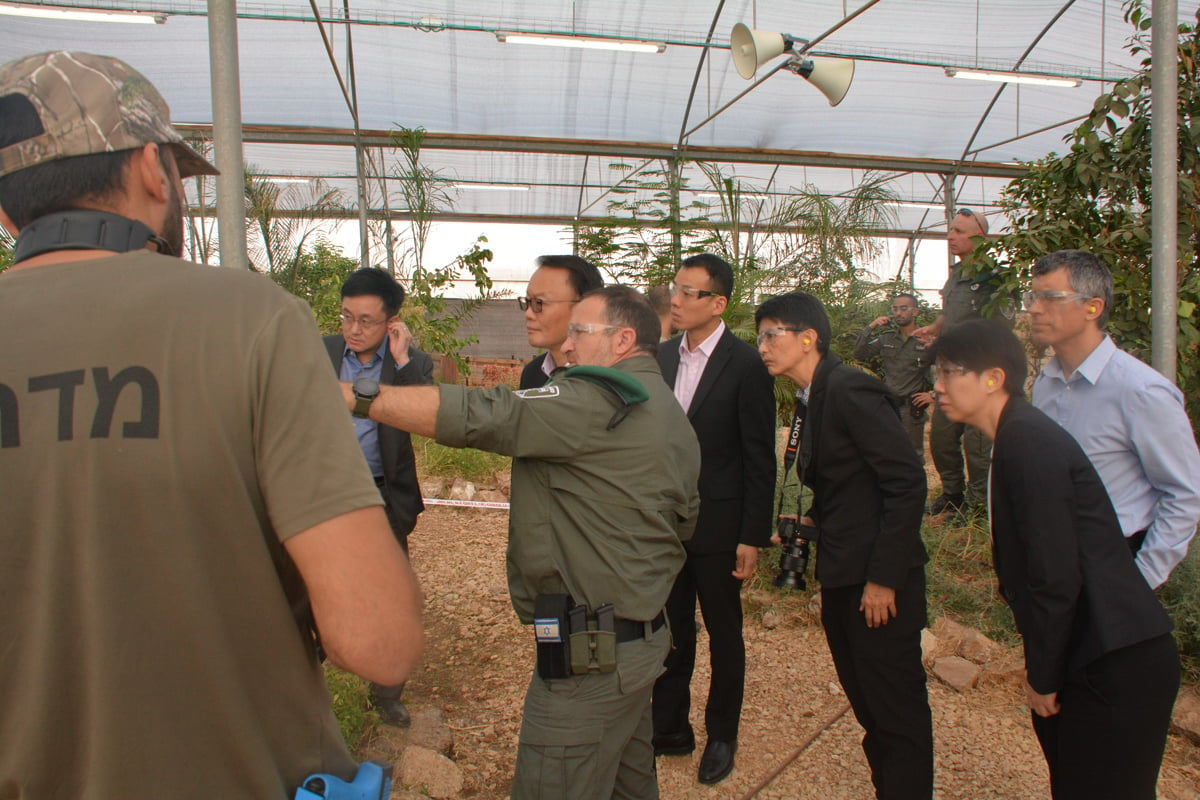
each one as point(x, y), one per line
point(373, 782)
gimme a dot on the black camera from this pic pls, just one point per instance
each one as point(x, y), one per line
point(793, 560)
point(917, 412)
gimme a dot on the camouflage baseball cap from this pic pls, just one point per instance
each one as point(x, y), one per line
point(89, 104)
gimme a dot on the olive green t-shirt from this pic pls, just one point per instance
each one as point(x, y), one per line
point(164, 427)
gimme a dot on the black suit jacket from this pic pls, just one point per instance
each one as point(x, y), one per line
point(868, 483)
point(531, 375)
point(1064, 566)
point(401, 492)
point(733, 414)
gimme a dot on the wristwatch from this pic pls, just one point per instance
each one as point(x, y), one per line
point(365, 391)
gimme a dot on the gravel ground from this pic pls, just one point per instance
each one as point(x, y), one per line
point(479, 658)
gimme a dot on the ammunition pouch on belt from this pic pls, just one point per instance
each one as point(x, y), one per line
point(571, 641)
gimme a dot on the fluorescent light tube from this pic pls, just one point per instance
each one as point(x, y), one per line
point(1012, 77)
point(81, 15)
point(493, 187)
point(583, 42)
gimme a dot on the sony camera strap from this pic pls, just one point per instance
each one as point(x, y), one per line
point(795, 449)
point(85, 230)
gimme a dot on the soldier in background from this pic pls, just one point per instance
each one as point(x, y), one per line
point(905, 370)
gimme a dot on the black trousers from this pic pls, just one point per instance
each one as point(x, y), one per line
point(884, 680)
point(706, 577)
point(1108, 739)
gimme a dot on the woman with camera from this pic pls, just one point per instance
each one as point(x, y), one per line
point(868, 499)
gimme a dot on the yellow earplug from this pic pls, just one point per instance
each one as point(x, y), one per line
point(991, 382)
point(1091, 309)
point(808, 341)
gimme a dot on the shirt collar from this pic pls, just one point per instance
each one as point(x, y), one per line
point(379, 354)
point(1092, 367)
point(707, 346)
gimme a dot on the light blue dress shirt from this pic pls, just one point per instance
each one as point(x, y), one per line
point(367, 429)
point(1131, 422)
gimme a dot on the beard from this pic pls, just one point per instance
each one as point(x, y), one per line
point(172, 225)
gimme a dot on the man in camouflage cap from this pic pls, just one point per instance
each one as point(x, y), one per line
point(184, 495)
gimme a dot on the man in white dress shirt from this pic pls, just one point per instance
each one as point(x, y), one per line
point(1127, 417)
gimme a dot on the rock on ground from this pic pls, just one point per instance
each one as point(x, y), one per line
point(957, 673)
point(430, 773)
point(1185, 720)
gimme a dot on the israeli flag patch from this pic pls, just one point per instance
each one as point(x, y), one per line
point(546, 630)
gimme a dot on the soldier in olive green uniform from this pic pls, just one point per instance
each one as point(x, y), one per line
point(905, 371)
point(605, 465)
point(963, 297)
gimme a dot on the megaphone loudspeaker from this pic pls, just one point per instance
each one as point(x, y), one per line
point(831, 75)
point(751, 48)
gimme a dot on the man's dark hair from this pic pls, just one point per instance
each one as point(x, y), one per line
point(916, 303)
point(718, 270)
point(1086, 274)
point(584, 277)
point(628, 308)
point(981, 344)
point(800, 311)
point(55, 186)
point(377, 282)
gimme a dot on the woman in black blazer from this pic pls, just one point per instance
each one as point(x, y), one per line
point(1102, 670)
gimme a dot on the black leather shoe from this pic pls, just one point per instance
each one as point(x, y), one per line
point(679, 743)
point(717, 761)
point(392, 711)
point(945, 502)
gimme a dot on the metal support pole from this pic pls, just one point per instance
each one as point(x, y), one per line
point(948, 199)
point(1164, 160)
point(359, 154)
point(227, 133)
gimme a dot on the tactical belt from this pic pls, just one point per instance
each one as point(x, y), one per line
point(629, 629)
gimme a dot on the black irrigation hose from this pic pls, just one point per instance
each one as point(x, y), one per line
point(795, 754)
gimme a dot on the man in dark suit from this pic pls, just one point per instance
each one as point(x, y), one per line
point(377, 346)
point(730, 400)
point(555, 287)
point(868, 498)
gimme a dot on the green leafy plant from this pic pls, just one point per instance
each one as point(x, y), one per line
point(453, 462)
point(281, 220)
point(6, 250)
point(317, 277)
point(1097, 196)
point(425, 194)
point(350, 705)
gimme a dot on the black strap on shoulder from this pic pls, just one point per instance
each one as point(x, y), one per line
point(798, 438)
point(628, 389)
point(85, 230)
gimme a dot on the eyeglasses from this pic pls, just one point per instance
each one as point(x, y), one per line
point(944, 371)
point(538, 303)
point(577, 329)
point(690, 292)
point(769, 335)
point(1051, 296)
point(349, 321)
